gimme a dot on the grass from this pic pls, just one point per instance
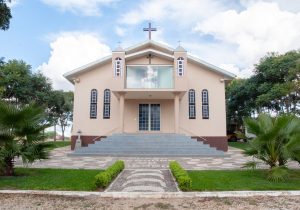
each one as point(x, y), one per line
point(222, 180)
point(57, 144)
point(50, 179)
point(239, 145)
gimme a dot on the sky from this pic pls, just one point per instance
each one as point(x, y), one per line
point(56, 36)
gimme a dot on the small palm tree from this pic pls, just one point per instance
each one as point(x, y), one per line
point(277, 139)
point(21, 135)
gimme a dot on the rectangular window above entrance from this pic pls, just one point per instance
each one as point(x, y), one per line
point(149, 76)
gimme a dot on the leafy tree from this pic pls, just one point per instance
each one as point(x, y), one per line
point(5, 15)
point(278, 85)
point(21, 135)
point(240, 95)
point(61, 109)
point(274, 88)
point(19, 84)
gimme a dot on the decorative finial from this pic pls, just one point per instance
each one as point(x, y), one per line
point(149, 29)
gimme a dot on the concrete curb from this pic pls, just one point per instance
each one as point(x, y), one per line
point(219, 194)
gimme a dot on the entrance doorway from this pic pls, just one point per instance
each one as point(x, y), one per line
point(149, 117)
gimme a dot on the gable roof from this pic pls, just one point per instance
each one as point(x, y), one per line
point(153, 47)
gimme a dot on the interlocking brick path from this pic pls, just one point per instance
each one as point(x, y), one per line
point(59, 159)
point(144, 180)
point(144, 174)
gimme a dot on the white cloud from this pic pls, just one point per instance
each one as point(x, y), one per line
point(120, 31)
point(288, 5)
point(83, 7)
point(260, 28)
point(71, 50)
point(172, 11)
point(13, 3)
point(239, 33)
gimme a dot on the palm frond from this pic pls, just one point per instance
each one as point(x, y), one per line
point(250, 165)
point(252, 126)
point(278, 174)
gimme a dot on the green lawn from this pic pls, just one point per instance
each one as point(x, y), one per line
point(57, 144)
point(222, 180)
point(50, 179)
point(239, 145)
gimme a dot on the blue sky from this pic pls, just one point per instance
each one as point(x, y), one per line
point(56, 36)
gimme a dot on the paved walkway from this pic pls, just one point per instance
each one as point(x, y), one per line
point(144, 180)
point(143, 174)
point(59, 159)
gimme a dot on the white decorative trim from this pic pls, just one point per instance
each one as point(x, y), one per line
point(132, 55)
point(212, 67)
point(69, 75)
point(219, 194)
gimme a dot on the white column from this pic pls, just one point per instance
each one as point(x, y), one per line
point(176, 112)
point(122, 112)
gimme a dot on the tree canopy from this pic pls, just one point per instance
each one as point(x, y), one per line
point(5, 15)
point(274, 88)
point(18, 83)
point(61, 109)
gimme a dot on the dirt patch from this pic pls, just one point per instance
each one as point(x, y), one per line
point(21, 201)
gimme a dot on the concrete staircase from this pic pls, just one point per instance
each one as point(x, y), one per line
point(171, 145)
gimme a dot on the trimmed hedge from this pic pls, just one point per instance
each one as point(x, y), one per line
point(181, 176)
point(103, 179)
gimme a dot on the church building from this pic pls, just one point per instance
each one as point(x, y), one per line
point(150, 88)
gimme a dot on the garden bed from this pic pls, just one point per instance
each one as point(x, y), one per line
point(227, 180)
point(50, 179)
point(238, 145)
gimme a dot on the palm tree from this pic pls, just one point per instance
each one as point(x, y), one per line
point(277, 139)
point(21, 135)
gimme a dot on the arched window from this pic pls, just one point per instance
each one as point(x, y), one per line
point(192, 105)
point(106, 104)
point(205, 106)
point(180, 67)
point(93, 104)
point(118, 67)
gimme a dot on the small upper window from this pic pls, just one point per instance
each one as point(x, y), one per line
point(180, 67)
point(205, 97)
point(118, 67)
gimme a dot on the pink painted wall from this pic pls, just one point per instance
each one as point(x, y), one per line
point(196, 77)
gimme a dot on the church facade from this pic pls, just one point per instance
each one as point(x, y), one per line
point(150, 88)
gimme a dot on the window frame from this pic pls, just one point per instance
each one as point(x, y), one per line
point(180, 66)
point(106, 104)
point(118, 67)
point(192, 104)
point(205, 104)
point(93, 104)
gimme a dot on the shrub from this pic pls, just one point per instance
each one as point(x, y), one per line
point(278, 174)
point(181, 176)
point(103, 179)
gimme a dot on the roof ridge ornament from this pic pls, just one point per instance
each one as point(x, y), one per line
point(149, 29)
point(119, 48)
point(179, 48)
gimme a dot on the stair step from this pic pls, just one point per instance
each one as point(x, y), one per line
point(148, 145)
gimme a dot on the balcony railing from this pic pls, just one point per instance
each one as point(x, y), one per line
point(149, 76)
